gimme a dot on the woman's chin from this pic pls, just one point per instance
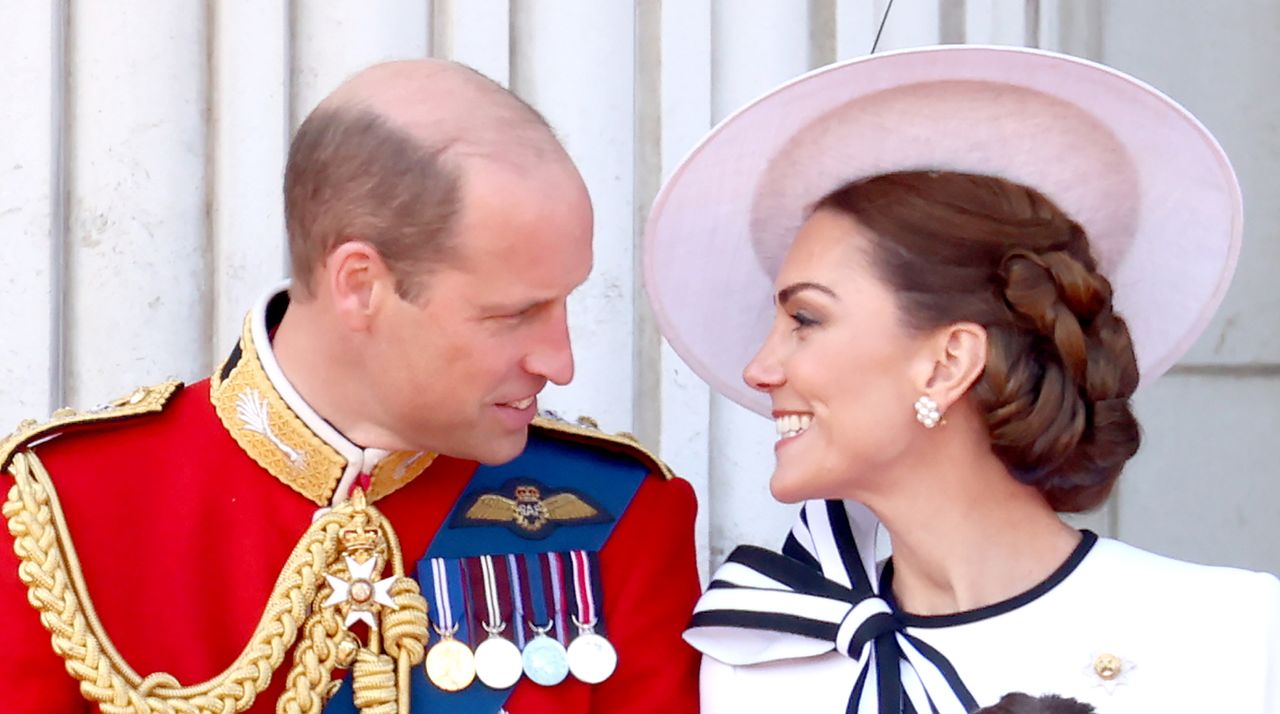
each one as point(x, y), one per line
point(788, 488)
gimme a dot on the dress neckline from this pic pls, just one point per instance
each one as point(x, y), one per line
point(1087, 540)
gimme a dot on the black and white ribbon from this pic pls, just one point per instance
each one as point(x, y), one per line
point(818, 595)
point(493, 604)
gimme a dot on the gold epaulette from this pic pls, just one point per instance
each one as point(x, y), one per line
point(143, 400)
point(586, 431)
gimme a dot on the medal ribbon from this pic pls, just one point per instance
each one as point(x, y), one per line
point(444, 608)
point(556, 568)
point(447, 591)
point(819, 595)
point(537, 590)
point(492, 604)
point(582, 588)
point(517, 600)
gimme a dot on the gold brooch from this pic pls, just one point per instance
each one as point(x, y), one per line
point(1110, 671)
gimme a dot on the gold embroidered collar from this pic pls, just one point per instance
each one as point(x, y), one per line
point(284, 435)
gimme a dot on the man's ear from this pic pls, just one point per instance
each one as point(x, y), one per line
point(952, 359)
point(359, 280)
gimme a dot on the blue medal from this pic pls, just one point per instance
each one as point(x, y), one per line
point(545, 659)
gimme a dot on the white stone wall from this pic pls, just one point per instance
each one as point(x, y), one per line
point(141, 146)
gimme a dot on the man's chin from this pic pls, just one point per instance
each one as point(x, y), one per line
point(501, 449)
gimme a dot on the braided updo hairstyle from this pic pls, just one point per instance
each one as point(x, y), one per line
point(1060, 366)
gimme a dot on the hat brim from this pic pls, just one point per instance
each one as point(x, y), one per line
point(1150, 185)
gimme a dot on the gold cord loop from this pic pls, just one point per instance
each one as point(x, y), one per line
point(406, 627)
point(374, 683)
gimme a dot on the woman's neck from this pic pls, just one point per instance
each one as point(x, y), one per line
point(965, 533)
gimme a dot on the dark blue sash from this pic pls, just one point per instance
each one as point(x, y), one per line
point(606, 480)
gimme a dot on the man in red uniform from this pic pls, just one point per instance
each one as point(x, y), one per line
point(242, 542)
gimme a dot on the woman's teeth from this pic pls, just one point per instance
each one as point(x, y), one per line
point(790, 425)
point(522, 404)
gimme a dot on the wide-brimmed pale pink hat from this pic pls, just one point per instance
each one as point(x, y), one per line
point(1149, 184)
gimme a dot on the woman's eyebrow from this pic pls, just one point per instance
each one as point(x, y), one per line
point(785, 294)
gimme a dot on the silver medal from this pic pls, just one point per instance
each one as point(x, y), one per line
point(498, 661)
point(591, 658)
point(545, 659)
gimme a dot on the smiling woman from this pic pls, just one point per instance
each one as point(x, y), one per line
point(950, 237)
point(1054, 382)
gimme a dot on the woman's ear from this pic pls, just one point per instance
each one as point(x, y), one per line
point(955, 356)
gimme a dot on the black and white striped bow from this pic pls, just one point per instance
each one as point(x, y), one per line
point(820, 594)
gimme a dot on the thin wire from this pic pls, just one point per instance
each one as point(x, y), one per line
point(883, 19)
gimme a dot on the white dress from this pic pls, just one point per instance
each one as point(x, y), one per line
point(1115, 626)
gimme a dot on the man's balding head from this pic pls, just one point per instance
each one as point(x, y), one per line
point(449, 107)
point(382, 160)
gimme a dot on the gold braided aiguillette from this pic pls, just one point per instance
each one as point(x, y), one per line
point(56, 588)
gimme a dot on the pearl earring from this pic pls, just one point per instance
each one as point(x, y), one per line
point(927, 412)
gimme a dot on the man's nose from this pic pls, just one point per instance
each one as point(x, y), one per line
point(552, 356)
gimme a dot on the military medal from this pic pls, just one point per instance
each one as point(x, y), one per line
point(498, 662)
point(449, 663)
point(545, 659)
point(591, 657)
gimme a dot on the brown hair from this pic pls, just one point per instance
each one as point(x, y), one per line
point(1060, 365)
point(352, 176)
point(1019, 703)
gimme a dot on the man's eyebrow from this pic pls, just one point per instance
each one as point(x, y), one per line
point(785, 294)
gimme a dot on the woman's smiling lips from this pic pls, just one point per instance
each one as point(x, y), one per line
point(790, 424)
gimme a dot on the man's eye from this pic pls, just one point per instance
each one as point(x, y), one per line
point(520, 314)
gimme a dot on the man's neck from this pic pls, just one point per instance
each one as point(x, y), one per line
point(324, 376)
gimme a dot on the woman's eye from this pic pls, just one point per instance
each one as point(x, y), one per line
point(803, 319)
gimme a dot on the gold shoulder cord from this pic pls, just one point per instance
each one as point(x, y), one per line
point(329, 581)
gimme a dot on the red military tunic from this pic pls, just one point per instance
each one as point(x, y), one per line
point(181, 533)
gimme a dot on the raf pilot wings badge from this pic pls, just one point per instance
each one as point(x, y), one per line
point(529, 509)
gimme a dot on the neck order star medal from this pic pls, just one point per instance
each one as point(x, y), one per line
point(359, 593)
